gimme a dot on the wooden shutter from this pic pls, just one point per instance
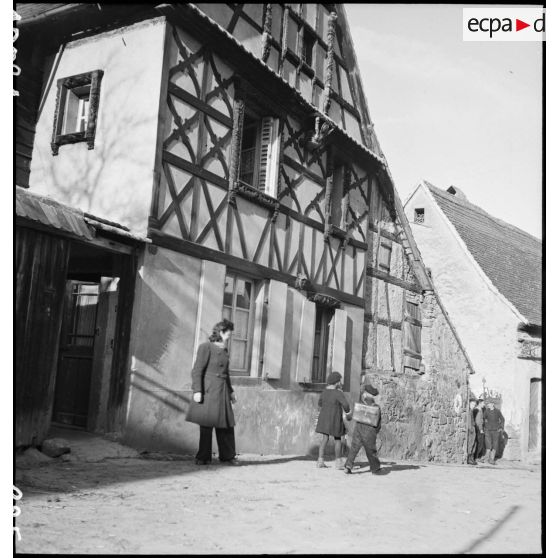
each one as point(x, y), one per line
point(412, 336)
point(275, 330)
point(269, 156)
point(305, 345)
point(210, 306)
point(339, 341)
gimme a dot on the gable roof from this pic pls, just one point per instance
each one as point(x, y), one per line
point(510, 257)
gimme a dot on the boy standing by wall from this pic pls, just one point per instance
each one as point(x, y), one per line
point(493, 426)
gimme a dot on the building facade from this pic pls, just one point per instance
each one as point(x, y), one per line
point(235, 142)
point(488, 276)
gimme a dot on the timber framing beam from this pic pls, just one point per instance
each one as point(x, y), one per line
point(376, 273)
point(241, 265)
point(269, 84)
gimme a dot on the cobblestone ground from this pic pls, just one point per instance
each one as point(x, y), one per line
point(277, 505)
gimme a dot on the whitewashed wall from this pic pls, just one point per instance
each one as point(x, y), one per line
point(115, 179)
point(485, 323)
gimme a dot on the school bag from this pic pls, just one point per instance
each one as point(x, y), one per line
point(367, 414)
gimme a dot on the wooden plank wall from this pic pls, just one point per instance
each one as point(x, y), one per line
point(41, 269)
point(30, 58)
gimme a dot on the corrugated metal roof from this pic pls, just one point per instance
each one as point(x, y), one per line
point(510, 257)
point(51, 213)
point(31, 10)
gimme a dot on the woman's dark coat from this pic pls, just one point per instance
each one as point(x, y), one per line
point(210, 377)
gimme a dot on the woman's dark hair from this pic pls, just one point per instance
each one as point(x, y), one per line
point(222, 326)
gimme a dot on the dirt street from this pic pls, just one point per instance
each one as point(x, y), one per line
point(277, 504)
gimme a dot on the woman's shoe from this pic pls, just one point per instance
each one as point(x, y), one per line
point(234, 461)
point(202, 462)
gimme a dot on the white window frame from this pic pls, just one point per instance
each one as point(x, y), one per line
point(245, 371)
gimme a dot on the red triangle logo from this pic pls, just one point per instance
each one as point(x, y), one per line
point(519, 25)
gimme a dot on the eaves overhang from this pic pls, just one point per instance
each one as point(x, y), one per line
point(49, 215)
point(261, 75)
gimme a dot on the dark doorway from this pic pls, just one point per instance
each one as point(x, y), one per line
point(93, 348)
point(77, 341)
point(535, 414)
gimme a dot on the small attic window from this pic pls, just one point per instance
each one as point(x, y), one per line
point(419, 215)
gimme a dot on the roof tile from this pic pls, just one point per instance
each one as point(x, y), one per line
point(510, 257)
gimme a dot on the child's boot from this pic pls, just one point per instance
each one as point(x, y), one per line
point(321, 464)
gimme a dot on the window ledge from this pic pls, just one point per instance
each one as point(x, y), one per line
point(309, 386)
point(253, 194)
point(245, 381)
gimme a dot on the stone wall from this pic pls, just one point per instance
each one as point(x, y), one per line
point(424, 415)
point(425, 411)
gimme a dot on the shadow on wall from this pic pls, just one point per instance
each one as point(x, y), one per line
point(85, 180)
point(156, 333)
point(151, 388)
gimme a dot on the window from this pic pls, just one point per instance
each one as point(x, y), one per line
point(259, 153)
point(77, 104)
point(412, 337)
point(419, 215)
point(384, 255)
point(338, 201)
point(249, 150)
point(308, 48)
point(238, 306)
point(76, 114)
point(324, 317)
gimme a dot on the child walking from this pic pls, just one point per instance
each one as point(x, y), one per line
point(368, 421)
point(332, 403)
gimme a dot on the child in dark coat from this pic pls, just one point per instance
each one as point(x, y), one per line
point(365, 434)
point(332, 403)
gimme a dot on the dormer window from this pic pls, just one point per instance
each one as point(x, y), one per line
point(77, 103)
point(419, 215)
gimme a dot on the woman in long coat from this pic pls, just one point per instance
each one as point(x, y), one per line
point(213, 397)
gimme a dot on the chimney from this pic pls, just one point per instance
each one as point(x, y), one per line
point(454, 191)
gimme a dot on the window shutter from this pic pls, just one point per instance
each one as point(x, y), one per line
point(269, 156)
point(412, 337)
point(210, 307)
point(275, 330)
point(339, 341)
point(306, 342)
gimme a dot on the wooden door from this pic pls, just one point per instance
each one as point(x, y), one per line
point(103, 352)
point(73, 380)
point(535, 414)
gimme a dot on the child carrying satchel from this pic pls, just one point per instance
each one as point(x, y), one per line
point(368, 418)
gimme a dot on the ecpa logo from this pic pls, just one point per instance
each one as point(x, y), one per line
point(503, 24)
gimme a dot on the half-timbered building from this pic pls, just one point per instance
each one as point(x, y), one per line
point(235, 141)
